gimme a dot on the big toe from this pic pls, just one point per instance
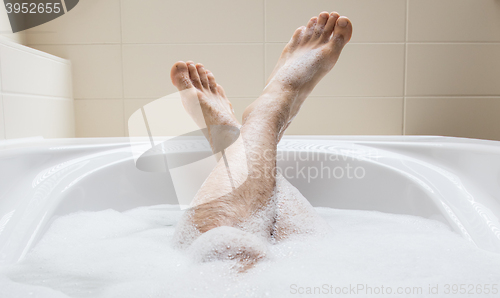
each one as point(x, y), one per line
point(342, 31)
point(180, 76)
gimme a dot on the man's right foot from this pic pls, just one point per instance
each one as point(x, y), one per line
point(309, 55)
point(206, 102)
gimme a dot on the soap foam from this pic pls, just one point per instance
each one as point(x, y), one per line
point(131, 254)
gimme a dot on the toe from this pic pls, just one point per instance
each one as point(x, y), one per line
point(309, 29)
point(180, 76)
point(203, 75)
point(193, 75)
point(330, 25)
point(297, 35)
point(342, 31)
point(229, 106)
point(211, 82)
point(322, 20)
point(312, 22)
point(221, 91)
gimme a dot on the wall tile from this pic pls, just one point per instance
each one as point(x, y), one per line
point(454, 20)
point(130, 106)
point(362, 95)
point(284, 16)
point(91, 21)
point(47, 117)
point(97, 71)
point(99, 118)
point(170, 115)
point(46, 76)
point(362, 70)
point(157, 21)
point(2, 121)
point(472, 117)
point(453, 69)
point(237, 67)
point(165, 117)
point(349, 116)
point(239, 106)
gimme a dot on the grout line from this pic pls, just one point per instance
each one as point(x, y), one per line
point(455, 96)
point(351, 42)
point(254, 96)
point(3, 117)
point(264, 3)
point(312, 97)
point(37, 52)
point(125, 123)
point(73, 44)
point(411, 42)
point(405, 67)
point(1, 101)
point(455, 42)
point(268, 42)
point(37, 95)
point(264, 46)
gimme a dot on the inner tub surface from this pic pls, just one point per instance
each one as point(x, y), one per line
point(452, 180)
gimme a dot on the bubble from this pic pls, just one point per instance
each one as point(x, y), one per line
point(132, 254)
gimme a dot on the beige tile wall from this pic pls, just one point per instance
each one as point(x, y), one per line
point(412, 67)
point(2, 118)
point(6, 32)
point(35, 93)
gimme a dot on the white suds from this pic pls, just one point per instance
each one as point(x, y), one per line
point(300, 70)
point(130, 254)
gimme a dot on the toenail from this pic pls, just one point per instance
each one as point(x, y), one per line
point(342, 22)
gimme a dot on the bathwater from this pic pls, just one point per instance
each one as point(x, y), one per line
point(368, 254)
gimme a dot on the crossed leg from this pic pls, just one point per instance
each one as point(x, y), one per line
point(227, 223)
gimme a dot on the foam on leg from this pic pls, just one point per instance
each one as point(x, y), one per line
point(295, 217)
point(229, 244)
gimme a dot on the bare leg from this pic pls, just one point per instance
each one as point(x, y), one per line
point(310, 54)
point(216, 204)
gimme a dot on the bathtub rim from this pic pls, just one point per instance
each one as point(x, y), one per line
point(30, 145)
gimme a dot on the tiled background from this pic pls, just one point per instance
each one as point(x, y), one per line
point(412, 67)
point(36, 97)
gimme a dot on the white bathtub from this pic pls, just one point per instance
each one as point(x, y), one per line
point(453, 180)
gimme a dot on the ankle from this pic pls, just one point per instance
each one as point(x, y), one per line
point(270, 109)
point(279, 89)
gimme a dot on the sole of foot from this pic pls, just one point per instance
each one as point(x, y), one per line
point(310, 54)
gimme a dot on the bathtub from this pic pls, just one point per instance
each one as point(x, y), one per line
point(453, 180)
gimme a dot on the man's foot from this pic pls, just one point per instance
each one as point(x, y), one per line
point(310, 54)
point(203, 98)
